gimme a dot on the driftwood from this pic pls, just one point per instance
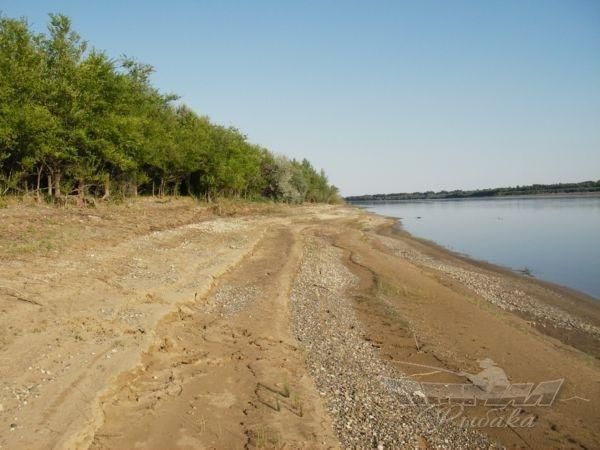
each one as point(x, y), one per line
point(17, 295)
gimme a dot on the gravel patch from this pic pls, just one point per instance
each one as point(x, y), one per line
point(219, 226)
point(230, 300)
point(368, 410)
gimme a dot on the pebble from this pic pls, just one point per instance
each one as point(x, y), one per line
point(348, 371)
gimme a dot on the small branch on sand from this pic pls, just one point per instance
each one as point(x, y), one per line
point(425, 374)
point(17, 295)
point(416, 342)
point(320, 286)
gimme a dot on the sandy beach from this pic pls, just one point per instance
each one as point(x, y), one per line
point(173, 324)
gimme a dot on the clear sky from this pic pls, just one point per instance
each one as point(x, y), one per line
point(386, 96)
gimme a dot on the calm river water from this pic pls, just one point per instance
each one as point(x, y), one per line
point(556, 239)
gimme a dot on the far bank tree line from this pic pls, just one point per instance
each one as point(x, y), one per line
point(534, 189)
point(75, 122)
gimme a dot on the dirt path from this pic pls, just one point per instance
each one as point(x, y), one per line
point(227, 372)
point(308, 327)
point(96, 311)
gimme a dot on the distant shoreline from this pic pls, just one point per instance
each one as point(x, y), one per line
point(363, 199)
point(556, 189)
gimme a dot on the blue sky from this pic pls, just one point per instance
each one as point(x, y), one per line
point(386, 96)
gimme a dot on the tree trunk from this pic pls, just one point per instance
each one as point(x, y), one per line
point(81, 191)
point(49, 185)
point(38, 184)
point(57, 180)
point(106, 187)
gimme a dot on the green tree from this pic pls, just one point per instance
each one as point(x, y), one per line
point(95, 126)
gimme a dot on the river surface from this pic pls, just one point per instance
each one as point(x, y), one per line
point(557, 239)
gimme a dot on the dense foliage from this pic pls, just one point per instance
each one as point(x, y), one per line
point(75, 122)
point(534, 189)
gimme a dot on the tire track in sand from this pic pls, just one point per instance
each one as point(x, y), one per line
point(225, 371)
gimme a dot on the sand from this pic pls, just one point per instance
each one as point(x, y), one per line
point(173, 324)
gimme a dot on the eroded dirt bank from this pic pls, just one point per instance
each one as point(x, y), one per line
point(164, 325)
